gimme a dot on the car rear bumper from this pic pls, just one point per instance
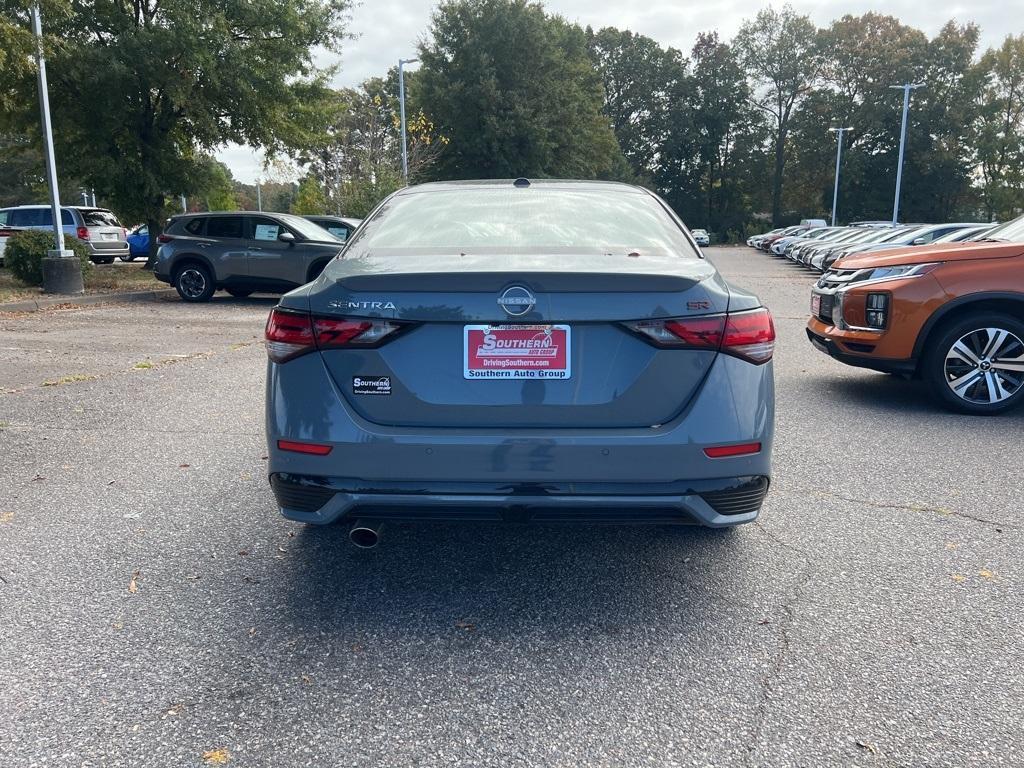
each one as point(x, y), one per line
point(714, 503)
point(638, 474)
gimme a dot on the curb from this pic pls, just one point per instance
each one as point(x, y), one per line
point(33, 305)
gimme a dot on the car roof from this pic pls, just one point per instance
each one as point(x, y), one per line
point(33, 206)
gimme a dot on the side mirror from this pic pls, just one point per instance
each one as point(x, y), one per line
point(919, 241)
point(286, 237)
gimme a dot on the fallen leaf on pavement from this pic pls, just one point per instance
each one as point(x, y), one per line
point(765, 621)
point(952, 545)
point(307, 679)
point(959, 578)
point(252, 631)
point(216, 756)
point(37, 478)
point(985, 573)
point(868, 746)
point(243, 552)
point(184, 466)
point(133, 585)
point(6, 517)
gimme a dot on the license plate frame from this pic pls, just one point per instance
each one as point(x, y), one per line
point(816, 304)
point(531, 351)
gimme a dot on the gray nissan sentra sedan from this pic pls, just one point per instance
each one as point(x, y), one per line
point(520, 350)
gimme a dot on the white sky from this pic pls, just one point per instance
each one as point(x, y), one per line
point(389, 29)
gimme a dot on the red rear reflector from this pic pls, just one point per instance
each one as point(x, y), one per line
point(163, 238)
point(82, 233)
point(313, 449)
point(724, 451)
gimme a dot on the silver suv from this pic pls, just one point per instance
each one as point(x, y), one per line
point(98, 228)
point(242, 253)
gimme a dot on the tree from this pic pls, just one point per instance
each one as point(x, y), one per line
point(1001, 129)
point(781, 54)
point(515, 92)
point(640, 79)
point(310, 198)
point(148, 87)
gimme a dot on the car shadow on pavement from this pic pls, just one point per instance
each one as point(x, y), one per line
point(510, 578)
point(906, 397)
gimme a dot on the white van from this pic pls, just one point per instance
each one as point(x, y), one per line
point(813, 223)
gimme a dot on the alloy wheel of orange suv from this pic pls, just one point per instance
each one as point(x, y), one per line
point(977, 364)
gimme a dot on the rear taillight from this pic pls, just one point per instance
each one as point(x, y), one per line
point(6, 232)
point(82, 233)
point(290, 334)
point(164, 238)
point(750, 335)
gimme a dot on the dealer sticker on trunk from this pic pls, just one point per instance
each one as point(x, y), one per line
point(517, 352)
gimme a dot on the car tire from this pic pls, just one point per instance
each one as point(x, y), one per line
point(129, 257)
point(238, 293)
point(975, 364)
point(193, 282)
point(105, 261)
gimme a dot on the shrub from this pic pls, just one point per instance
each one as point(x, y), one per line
point(25, 250)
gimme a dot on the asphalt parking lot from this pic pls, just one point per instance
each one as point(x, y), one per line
point(155, 609)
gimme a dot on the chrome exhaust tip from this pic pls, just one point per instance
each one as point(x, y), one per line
point(365, 534)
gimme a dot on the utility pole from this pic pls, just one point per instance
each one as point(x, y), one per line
point(401, 110)
point(184, 204)
point(62, 272)
point(94, 198)
point(839, 154)
point(259, 196)
point(906, 88)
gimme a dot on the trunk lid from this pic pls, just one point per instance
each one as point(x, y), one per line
point(614, 378)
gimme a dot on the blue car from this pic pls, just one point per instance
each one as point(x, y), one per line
point(138, 244)
point(519, 350)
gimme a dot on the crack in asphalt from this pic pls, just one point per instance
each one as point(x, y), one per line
point(945, 512)
point(788, 610)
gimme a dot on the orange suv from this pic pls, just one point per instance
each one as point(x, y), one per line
point(950, 314)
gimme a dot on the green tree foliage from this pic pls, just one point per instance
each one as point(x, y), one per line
point(515, 91)
point(781, 52)
point(1000, 132)
point(640, 81)
point(144, 88)
point(24, 254)
point(309, 198)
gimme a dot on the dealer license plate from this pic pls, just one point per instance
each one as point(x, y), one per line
point(517, 352)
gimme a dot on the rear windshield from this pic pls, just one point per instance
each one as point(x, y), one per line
point(100, 219)
point(534, 220)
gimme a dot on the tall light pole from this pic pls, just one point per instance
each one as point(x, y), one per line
point(401, 111)
point(906, 88)
point(259, 196)
point(62, 272)
point(839, 154)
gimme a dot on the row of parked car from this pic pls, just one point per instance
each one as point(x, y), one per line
point(820, 247)
point(107, 239)
point(943, 303)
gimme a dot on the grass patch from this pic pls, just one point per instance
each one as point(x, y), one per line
point(102, 278)
point(144, 365)
point(68, 379)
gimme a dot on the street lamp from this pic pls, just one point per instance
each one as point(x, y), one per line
point(401, 110)
point(906, 88)
point(62, 272)
point(839, 153)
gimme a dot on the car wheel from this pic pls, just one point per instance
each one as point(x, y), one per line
point(129, 257)
point(194, 283)
point(239, 294)
point(976, 364)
